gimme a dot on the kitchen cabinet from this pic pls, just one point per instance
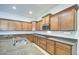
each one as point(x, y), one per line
point(63, 49)
point(46, 19)
point(3, 24)
point(29, 26)
point(39, 41)
point(67, 19)
point(35, 40)
point(11, 25)
point(43, 43)
point(51, 47)
point(54, 23)
point(43, 21)
point(30, 38)
point(38, 26)
point(18, 25)
point(24, 26)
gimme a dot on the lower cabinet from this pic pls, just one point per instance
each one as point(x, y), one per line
point(30, 37)
point(63, 49)
point(51, 47)
point(43, 43)
point(58, 48)
point(35, 40)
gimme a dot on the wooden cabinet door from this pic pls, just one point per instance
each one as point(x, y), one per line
point(11, 25)
point(3, 24)
point(47, 18)
point(30, 37)
point(39, 41)
point(24, 26)
point(40, 25)
point(51, 47)
point(63, 49)
point(36, 26)
point(35, 40)
point(29, 26)
point(43, 21)
point(18, 25)
point(43, 43)
point(54, 23)
point(67, 19)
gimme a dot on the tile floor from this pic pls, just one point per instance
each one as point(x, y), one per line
point(7, 48)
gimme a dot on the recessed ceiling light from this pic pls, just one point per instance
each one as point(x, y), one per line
point(30, 12)
point(13, 7)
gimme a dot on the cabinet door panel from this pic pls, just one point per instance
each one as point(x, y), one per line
point(29, 26)
point(18, 25)
point(24, 26)
point(43, 21)
point(11, 25)
point(67, 19)
point(63, 49)
point(47, 18)
point(3, 24)
point(54, 23)
point(43, 43)
point(50, 46)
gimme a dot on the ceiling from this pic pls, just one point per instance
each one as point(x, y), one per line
point(23, 9)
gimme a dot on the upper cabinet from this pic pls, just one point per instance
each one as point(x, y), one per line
point(29, 26)
point(46, 19)
point(67, 19)
point(24, 26)
point(3, 24)
point(64, 20)
point(18, 26)
point(54, 23)
point(11, 25)
point(39, 25)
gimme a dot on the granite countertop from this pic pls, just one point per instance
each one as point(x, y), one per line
point(59, 39)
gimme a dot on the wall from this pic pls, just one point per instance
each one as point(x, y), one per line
point(77, 33)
